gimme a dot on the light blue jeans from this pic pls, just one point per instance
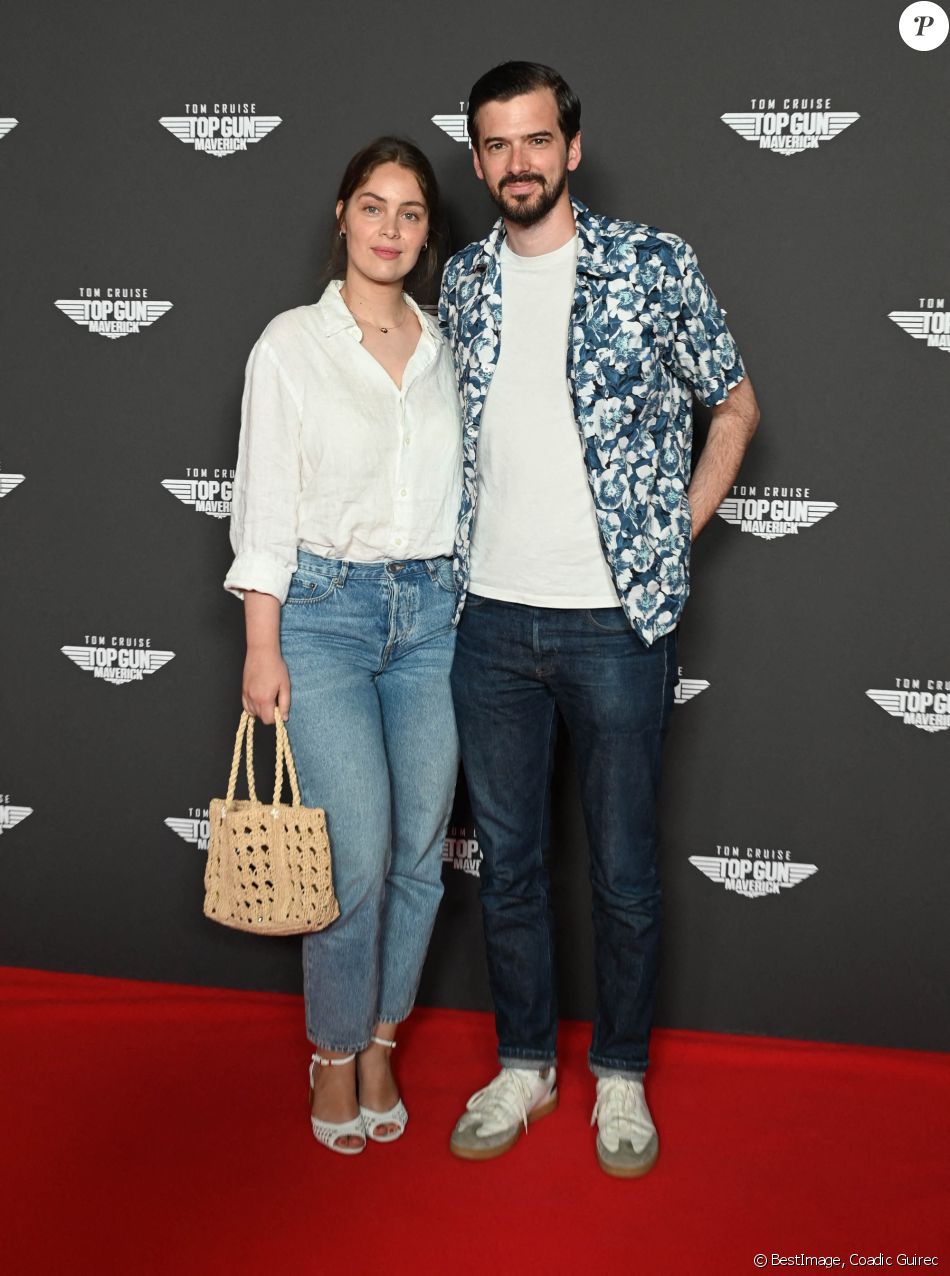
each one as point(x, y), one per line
point(369, 649)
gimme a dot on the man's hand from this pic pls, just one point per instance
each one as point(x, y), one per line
point(733, 424)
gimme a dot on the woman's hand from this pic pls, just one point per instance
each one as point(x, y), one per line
point(266, 682)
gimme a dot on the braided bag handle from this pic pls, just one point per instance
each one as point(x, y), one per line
point(245, 732)
point(284, 758)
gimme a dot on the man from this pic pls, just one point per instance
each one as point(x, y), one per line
point(579, 342)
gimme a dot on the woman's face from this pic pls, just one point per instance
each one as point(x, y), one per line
point(386, 223)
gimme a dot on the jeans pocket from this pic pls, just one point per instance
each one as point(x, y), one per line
point(444, 575)
point(310, 587)
point(609, 620)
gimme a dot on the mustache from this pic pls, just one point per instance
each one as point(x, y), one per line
point(514, 178)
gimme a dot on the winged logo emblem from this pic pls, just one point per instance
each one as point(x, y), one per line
point(184, 489)
point(7, 125)
point(78, 311)
point(147, 661)
point(686, 688)
point(812, 512)
point(84, 657)
point(914, 323)
point(714, 867)
point(748, 124)
point(8, 482)
point(190, 830)
point(894, 703)
point(10, 816)
point(183, 127)
point(730, 510)
point(455, 125)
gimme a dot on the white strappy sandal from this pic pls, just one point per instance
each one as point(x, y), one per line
point(396, 1115)
point(327, 1132)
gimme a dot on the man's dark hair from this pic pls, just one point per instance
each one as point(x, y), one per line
point(512, 79)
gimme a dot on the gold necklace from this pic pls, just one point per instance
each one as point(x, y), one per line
point(371, 323)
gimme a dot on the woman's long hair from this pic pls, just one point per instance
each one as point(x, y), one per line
point(394, 150)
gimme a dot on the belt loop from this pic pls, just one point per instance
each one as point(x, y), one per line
point(344, 568)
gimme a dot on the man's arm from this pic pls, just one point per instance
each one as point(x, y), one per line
point(733, 424)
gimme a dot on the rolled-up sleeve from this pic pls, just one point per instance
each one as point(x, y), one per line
point(267, 480)
point(704, 354)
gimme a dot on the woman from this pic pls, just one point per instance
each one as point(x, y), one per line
point(345, 501)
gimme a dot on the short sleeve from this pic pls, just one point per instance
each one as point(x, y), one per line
point(703, 352)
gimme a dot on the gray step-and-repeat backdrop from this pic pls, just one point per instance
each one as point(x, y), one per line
point(167, 175)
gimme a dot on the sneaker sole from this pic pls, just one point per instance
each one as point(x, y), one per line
point(488, 1154)
point(626, 1171)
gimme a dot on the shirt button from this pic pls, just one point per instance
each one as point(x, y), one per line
point(403, 492)
point(398, 540)
point(405, 441)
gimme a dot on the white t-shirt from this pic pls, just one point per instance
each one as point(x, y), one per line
point(333, 457)
point(536, 539)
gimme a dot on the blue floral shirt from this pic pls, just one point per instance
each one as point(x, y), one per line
point(646, 334)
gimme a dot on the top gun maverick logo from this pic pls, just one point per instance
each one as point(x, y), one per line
point(753, 871)
point(119, 660)
point(193, 828)
point(114, 312)
point(931, 323)
point(227, 128)
point(779, 511)
point(208, 495)
point(788, 126)
point(455, 125)
point(923, 703)
point(7, 124)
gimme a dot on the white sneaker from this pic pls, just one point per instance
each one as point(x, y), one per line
point(627, 1143)
point(496, 1117)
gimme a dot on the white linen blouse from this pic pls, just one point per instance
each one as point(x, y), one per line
point(333, 457)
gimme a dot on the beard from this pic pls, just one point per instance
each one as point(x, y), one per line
point(528, 210)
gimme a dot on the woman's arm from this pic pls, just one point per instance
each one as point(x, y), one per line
point(266, 680)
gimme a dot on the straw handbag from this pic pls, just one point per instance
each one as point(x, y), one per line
point(268, 865)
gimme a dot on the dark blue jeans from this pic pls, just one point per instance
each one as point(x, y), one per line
point(515, 666)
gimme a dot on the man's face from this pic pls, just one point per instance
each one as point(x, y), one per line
point(522, 156)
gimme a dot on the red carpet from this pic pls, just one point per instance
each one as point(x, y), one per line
point(157, 1129)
